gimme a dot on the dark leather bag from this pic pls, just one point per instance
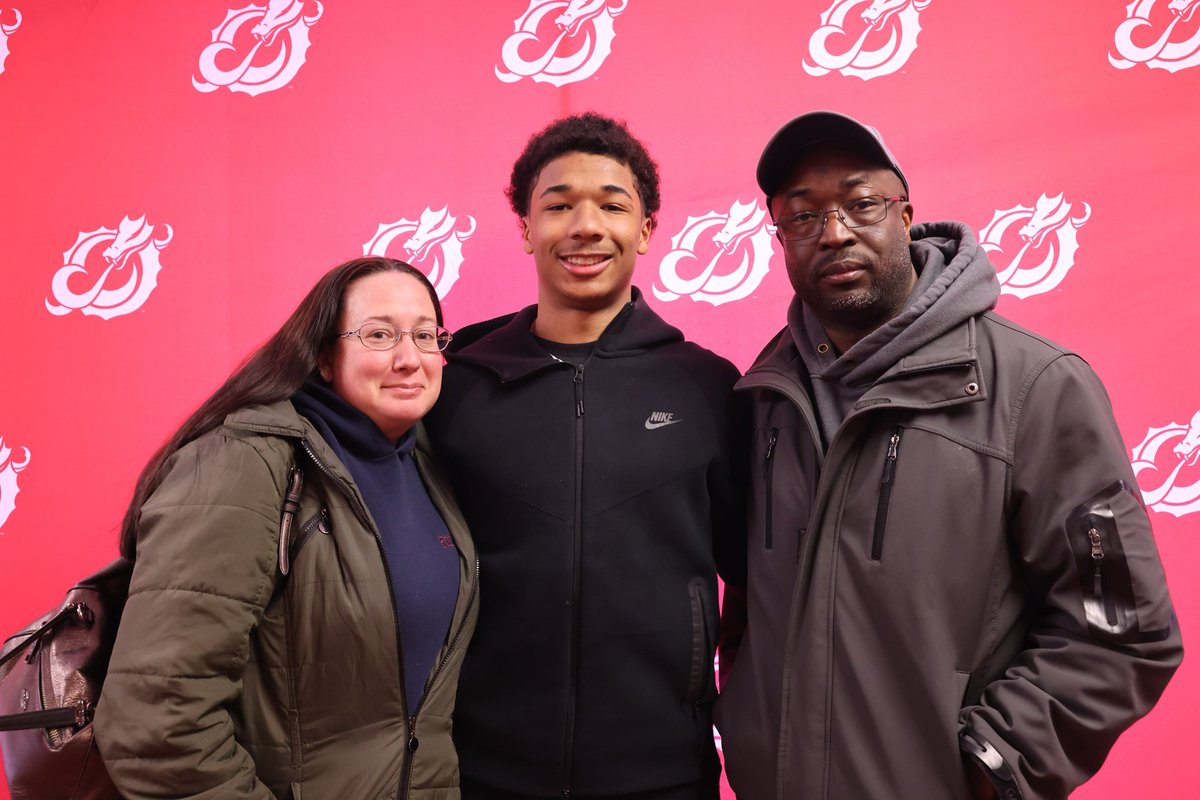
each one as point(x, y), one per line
point(51, 674)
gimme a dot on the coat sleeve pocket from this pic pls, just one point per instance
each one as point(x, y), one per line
point(1118, 567)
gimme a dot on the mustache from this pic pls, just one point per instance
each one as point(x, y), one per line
point(863, 259)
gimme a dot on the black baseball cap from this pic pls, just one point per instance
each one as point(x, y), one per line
point(818, 127)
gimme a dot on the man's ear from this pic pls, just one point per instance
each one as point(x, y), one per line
point(644, 238)
point(525, 235)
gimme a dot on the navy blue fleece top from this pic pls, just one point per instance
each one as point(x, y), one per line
point(418, 552)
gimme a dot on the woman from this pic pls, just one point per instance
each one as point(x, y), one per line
point(321, 663)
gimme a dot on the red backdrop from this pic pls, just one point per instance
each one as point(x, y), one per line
point(174, 177)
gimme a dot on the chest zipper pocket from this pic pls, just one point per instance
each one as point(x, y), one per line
point(768, 481)
point(886, 482)
point(318, 522)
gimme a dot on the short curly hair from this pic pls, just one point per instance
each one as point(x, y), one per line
point(584, 133)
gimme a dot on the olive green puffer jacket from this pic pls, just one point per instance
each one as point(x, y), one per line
point(229, 680)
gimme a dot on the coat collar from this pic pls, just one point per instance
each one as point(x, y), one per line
point(945, 371)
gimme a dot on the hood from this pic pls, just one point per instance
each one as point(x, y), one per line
point(956, 282)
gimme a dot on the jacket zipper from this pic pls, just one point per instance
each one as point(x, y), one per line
point(576, 570)
point(1096, 546)
point(769, 469)
point(413, 741)
point(365, 517)
point(885, 493)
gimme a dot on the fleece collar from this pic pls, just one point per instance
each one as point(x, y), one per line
point(507, 346)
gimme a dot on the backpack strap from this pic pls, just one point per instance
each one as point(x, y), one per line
point(291, 503)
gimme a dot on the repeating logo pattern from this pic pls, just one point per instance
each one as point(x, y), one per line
point(7, 30)
point(1164, 463)
point(433, 245)
point(1047, 229)
point(10, 467)
point(881, 37)
point(701, 264)
point(132, 251)
point(279, 27)
point(569, 48)
point(1176, 47)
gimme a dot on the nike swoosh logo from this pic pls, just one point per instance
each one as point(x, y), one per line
point(652, 425)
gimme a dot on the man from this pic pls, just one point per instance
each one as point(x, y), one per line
point(953, 587)
point(590, 446)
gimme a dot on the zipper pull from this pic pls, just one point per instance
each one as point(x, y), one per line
point(771, 443)
point(579, 390)
point(413, 741)
point(889, 463)
point(83, 713)
point(1097, 558)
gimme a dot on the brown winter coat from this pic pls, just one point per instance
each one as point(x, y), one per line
point(231, 681)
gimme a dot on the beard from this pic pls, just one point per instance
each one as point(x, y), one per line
point(866, 308)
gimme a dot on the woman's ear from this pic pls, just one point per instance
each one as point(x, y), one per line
point(324, 367)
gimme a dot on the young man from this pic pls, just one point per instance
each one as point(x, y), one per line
point(592, 450)
point(953, 587)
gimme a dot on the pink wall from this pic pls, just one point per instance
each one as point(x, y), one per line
point(238, 175)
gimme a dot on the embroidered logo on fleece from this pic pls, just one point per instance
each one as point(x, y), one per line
point(659, 419)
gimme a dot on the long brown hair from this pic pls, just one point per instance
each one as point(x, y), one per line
point(274, 372)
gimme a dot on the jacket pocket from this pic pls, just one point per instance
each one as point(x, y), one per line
point(701, 676)
point(768, 489)
point(886, 482)
point(1108, 579)
point(318, 522)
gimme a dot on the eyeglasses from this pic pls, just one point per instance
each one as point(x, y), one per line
point(381, 336)
point(858, 212)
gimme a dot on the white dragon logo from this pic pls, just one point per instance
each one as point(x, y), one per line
point(281, 20)
point(9, 468)
point(559, 63)
point(1169, 496)
point(1049, 215)
point(131, 249)
point(5, 32)
point(899, 20)
point(1162, 53)
point(432, 237)
point(743, 233)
